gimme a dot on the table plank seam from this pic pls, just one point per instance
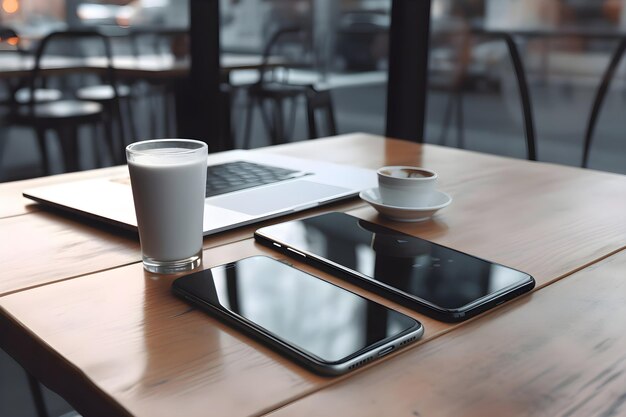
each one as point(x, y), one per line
point(435, 336)
point(43, 284)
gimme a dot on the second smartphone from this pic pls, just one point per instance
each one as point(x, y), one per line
point(324, 327)
point(435, 280)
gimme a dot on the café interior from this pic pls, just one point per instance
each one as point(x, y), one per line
point(518, 102)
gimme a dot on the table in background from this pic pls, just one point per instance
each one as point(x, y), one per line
point(161, 69)
point(15, 65)
point(112, 339)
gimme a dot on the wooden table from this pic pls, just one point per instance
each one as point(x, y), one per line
point(559, 352)
point(15, 65)
point(79, 312)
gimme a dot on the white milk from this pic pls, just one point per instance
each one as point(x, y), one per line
point(169, 202)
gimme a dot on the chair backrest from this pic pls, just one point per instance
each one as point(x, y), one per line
point(289, 35)
point(9, 44)
point(73, 38)
point(408, 67)
point(159, 41)
point(9, 40)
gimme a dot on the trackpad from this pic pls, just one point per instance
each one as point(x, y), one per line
point(276, 197)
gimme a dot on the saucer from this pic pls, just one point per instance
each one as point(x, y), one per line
point(406, 214)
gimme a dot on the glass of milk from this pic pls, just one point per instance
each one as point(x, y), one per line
point(168, 178)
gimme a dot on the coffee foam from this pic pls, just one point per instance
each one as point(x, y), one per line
point(407, 173)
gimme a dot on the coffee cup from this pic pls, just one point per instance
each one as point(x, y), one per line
point(406, 186)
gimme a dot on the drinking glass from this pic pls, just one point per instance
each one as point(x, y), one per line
point(168, 179)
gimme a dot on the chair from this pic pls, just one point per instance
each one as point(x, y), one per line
point(461, 81)
point(112, 97)
point(15, 93)
point(10, 42)
point(598, 100)
point(453, 81)
point(159, 43)
point(273, 87)
point(408, 63)
point(65, 116)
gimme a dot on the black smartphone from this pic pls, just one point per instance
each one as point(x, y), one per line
point(437, 281)
point(324, 327)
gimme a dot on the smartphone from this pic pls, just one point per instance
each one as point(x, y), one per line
point(437, 281)
point(323, 327)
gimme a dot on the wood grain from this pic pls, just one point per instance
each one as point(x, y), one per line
point(138, 347)
point(44, 247)
point(545, 219)
point(561, 353)
point(116, 342)
point(530, 216)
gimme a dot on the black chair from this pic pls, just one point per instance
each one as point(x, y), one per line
point(461, 81)
point(274, 88)
point(15, 92)
point(598, 100)
point(450, 75)
point(10, 42)
point(408, 64)
point(113, 95)
point(159, 43)
point(64, 117)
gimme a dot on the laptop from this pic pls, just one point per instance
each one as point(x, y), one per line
point(243, 187)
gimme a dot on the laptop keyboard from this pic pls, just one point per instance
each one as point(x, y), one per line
point(239, 175)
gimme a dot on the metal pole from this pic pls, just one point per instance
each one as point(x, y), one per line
point(408, 68)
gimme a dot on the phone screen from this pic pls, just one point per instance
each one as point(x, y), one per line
point(439, 275)
point(302, 310)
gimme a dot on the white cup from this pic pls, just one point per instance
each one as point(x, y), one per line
point(168, 178)
point(406, 186)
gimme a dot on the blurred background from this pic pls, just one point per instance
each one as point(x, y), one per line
point(473, 99)
point(331, 55)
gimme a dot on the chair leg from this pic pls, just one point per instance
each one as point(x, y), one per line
point(278, 120)
point(114, 144)
point(68, 137)
point(459, 121)
point(292, 118)
point(154, 116)
point(102, 144)
point(170, 112)
point(321, 100)
point(3, 141)
point(117, 154)
point(248, 122)
point(268, 120)
point(35, 390)
point(599, 99)
point(132, 124)
point(96, 146)
point(446, 119)
point(166, 114)
point(522, 84)
point(330, 113)
point(120, 124)
point(310, 114)
point(226, 137)
point(43, 149)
